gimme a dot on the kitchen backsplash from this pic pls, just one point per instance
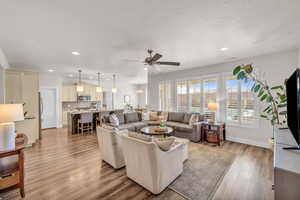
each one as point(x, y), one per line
point(67, 106)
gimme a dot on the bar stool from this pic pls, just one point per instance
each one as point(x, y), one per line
point(85, 123)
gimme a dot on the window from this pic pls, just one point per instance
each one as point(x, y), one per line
point(165, 103)
point(182, 96)
point(194, 95)
point(240, 104)
point(209, 92)
point(195, 87)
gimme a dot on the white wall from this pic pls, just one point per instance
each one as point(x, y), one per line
point(53, 81)
point(3, 66)
point(276, 66)
point(142, 97)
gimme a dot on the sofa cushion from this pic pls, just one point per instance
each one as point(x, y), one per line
point(152, 123)
point(184, 128)
point(121, 117)
point(180, 126)
point(128, 126)
point(131, 117)
point(187, 118)
point(132, 126)
point(176, 116)
point(153, 116)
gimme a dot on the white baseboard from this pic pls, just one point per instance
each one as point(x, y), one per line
point(247, 141)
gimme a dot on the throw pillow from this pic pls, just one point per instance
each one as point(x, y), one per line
point(164, 143)
point(187, 118)
point(121, 118)
point(131, 117)
point(145, 116)
point(153, 116)
point(164, 115)
point(139, 136)
point(114, 120)
point(193, 119)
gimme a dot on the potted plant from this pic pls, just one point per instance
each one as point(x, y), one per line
point(274, 97)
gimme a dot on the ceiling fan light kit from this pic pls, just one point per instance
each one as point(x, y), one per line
point(152, 60)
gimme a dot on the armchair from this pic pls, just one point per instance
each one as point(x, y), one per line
point(149, 166)
point(110, 145)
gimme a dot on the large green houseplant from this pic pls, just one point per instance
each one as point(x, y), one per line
point(274, 98)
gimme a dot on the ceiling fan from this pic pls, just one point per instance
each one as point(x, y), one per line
point(153, 60)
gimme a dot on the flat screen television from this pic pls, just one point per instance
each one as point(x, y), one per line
point(293, 105)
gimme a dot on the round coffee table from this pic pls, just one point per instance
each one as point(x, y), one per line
point(152, 130)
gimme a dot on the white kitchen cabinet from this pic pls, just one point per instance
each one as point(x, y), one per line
point(23, 87)
point(69, 93)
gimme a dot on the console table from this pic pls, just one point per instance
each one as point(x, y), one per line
point(286, 167)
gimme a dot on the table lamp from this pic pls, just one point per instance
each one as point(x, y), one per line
point(213, 108)
point(9, 114)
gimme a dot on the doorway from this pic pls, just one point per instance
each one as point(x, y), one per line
point(48, 107)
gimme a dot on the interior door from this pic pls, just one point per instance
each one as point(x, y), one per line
point(48, 107)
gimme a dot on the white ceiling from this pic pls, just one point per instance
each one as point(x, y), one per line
point(39, 35)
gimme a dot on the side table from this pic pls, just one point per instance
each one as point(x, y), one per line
point(13, 178)
point(217, 129)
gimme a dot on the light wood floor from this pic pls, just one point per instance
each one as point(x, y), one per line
point(69, 167)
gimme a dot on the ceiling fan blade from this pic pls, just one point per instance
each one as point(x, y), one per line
point(156, 57)
point(168, 63)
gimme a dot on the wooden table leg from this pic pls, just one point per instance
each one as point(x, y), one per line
point(21, 167)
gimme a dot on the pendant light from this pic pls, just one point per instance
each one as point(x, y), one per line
point(114, 89)
point(99, 88)
point(79, 87)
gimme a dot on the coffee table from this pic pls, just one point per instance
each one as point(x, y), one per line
point(150, 130)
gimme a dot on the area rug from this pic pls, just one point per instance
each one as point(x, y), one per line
point(202, 173)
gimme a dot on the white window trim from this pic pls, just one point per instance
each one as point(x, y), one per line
point(256, 109)
point(201, 78)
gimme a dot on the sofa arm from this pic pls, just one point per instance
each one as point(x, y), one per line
point(169, 166)
point(196, 135)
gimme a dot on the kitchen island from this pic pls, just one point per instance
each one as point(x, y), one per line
point(74, 116)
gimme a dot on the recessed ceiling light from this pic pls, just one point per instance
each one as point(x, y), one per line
point(224, 49)
point(75, 53)
point(145, 68)
point(50, 70)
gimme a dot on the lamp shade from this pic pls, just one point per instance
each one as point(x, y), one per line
point(79, 88)
point(11, 113)
point(98, 89)
point(114, 90)
point(212, 106)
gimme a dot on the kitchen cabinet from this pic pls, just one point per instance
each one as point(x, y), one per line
point(23, 87)
point(69, 93)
